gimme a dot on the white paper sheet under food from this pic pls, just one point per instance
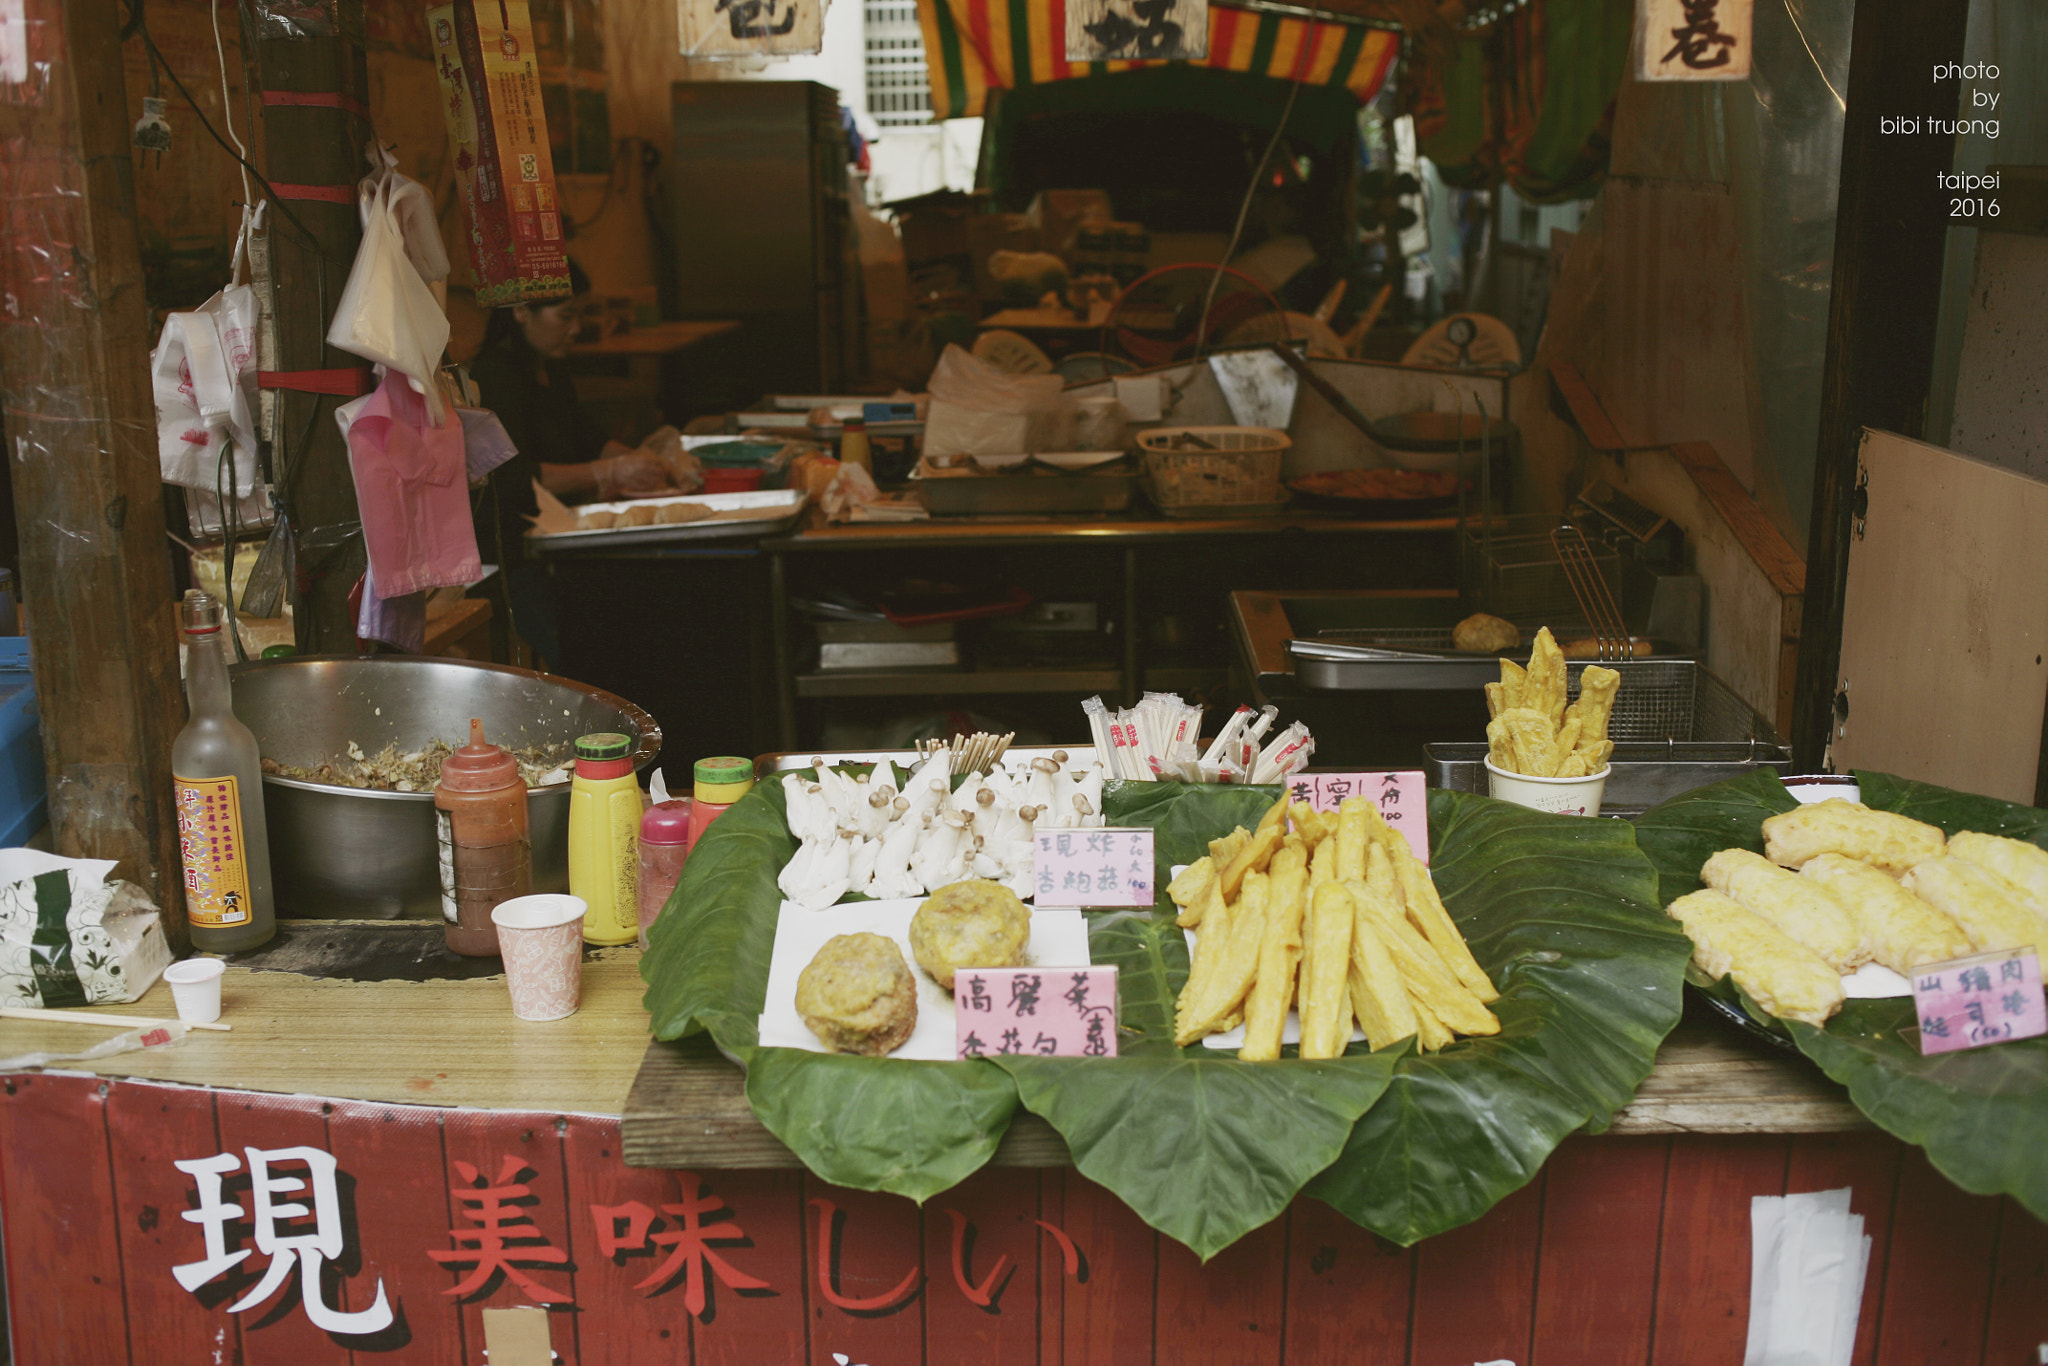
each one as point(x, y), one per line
point(1059, 939)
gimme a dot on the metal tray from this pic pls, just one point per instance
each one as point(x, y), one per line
point(969, 492)
point(770, 511)
point(1643, 774)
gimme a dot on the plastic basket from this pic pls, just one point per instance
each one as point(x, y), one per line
point(1232, 465)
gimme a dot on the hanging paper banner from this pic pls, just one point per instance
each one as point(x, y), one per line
point(1693, 40)
point(1146, 30)
point(724, 29)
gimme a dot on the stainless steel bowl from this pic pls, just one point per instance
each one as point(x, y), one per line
point(339, 852)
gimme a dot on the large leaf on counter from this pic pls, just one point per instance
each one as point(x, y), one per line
point(1979, 1113)
point(910, 1128)
point(1203, 1147)
point(1562, 913)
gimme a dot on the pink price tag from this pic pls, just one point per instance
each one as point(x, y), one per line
point(1983, 999)
point(1045, 1012)
point(1101, 867)
point(1403, 799)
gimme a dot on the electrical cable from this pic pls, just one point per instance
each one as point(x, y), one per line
point(1298, 79)
point(227, 103)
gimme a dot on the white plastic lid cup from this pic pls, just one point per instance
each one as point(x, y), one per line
point(541, 938)
point(195, 987)
point(1562, 796)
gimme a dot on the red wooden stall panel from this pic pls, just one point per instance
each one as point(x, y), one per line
point(652, 1250)
point(1349, 1295)
point(1937, 1274)
point(1703, 1256)
point(2018, 1322)
point(1108, 1306)
point(1868, 1164)
point(981, 1243)
point(260, 1132)
point(868, 1279)
point(767, 1320)
point(1475, 1287)
point(149, 1130)
point(1229, 1312)
point(65, 1291)
point(1596, 1280)
point(395, 1158)
point(511, 1237)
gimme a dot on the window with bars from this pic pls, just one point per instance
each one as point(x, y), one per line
point(899, 88)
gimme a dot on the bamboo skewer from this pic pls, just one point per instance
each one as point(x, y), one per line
point(95, 1018)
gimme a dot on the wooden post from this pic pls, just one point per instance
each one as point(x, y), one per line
point(81, 435)
point(1891, 227)
point(308, 62)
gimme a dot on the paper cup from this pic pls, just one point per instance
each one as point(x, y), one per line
point(1563, 796)
point(541, 938)
point(195, 986)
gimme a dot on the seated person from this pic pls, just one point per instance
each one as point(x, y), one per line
point(521, 376)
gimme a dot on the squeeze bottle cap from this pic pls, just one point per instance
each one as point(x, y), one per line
point(723, 780)
point(604, 745)
point(478, 766)
point(666, 823)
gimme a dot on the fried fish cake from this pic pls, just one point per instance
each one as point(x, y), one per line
point(1780, 974)
point(858, 995)
point(1901, 930)
point(1884, 839)
point(1803, 909)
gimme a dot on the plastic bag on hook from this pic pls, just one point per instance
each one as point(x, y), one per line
point(203, 372)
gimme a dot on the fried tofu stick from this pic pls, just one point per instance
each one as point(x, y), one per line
point(1353, 835)
point(1252, 858)
point(1324, 999)
point(1272, 993)
point(1222, 990)
point(1312, 825)
point(1212, 946)
point(1424, 971)
point(1276, 814)
point(1378, 997)
point(1426, 912)
point(1189, 889)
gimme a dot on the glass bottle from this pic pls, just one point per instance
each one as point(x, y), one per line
point(223, 840)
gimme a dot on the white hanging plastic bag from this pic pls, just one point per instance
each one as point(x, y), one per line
point(978, 410)
point(203, 372)
point(387, 315)
point(411, 207)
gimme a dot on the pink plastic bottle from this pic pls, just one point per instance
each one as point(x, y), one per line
point(664, 844)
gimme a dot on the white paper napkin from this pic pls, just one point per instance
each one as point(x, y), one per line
point(1808, 1258)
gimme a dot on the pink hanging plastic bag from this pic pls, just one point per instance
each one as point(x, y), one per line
point(413, 491)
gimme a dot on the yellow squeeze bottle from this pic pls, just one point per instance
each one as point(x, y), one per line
point(604, 832)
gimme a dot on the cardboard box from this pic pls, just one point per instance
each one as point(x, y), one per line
point(485, 58)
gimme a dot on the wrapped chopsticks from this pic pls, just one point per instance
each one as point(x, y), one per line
point(1157, 741)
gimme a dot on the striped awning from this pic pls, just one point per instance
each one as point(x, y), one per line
point(974, 46)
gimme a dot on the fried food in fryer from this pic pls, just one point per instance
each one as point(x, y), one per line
point(972, 924)
point(1779, 973)
point(858, 995)
point(1993, 912)
point(1901, 930)
point(1800, 907)
point(1883, 839)
point(1483, 633)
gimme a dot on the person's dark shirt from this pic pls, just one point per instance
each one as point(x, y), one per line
point(546, 424)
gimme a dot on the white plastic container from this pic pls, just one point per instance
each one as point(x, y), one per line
point(1562, 796)
point(195, 988)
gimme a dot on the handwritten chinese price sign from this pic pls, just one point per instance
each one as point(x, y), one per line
point(747, 28)
point(1147, 30)
point(1106, 867)
point(1693, 40)
point(1048, 1012)
point(1986, 998)
point(1403, 799)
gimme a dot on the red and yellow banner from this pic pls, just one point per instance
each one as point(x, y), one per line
point(973, 46)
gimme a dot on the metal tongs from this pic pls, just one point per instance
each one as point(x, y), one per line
point(1589, 586)
point(1330, 649)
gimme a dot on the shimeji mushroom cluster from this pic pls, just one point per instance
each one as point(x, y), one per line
point(865, 834)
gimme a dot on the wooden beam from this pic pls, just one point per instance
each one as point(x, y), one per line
point(1584, 406)
point(1891, 229)
point(313, 144)
point(81, 435)
point(1752, 526)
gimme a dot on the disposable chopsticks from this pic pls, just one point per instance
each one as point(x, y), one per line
point(95, 1018)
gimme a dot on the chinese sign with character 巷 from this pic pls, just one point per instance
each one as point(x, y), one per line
point(1983, 999)
point(1105, 867)
point(1693, 40)
point(1050, 1012)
